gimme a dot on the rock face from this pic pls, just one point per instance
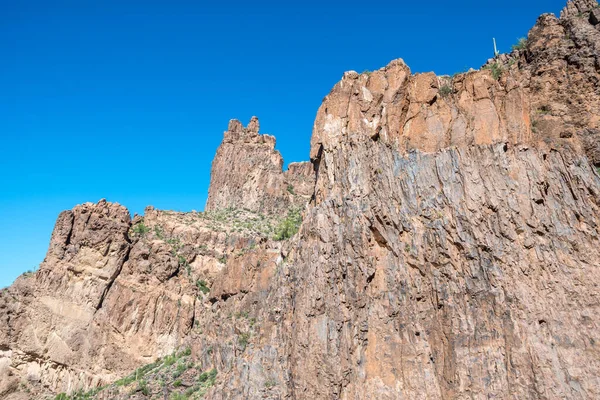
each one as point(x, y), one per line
point(247, 173)
point(449, 249)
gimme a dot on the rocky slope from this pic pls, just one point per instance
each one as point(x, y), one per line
point(449, 249)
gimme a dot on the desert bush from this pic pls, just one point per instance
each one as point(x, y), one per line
point(496, 70)
point(445, 90)
point(289, 226)
point(140, 229)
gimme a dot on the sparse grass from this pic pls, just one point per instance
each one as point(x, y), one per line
point(229, 220)
point(170, 360)
point(163, 373)
point(181, 368)
point(79, 395)
point(496, 70)
point(520, 45)
point(290, 189)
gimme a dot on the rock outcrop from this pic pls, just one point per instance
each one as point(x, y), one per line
point(449, 249)
point(247, 173)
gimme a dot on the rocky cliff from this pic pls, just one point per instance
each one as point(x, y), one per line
point(449, 248)
point(247, 172)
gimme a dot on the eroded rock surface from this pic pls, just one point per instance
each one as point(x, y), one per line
point(247, 173)
point(449, 249)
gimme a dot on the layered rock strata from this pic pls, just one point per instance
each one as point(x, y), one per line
point(449, 249)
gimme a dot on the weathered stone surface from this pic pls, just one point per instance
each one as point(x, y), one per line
point(449, 249)
point(48, 333)
point(595, 16)
point(576, 8)
point(247, 173)
point(411, 112)
point(451, 275)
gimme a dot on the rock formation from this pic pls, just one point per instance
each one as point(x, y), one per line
point(247, 173)
point(449, 249)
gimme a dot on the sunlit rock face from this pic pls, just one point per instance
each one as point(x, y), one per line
point(247, 173)
point(449, 249)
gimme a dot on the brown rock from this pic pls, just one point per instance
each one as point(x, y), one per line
point(595, 16)
point(449, 249)
point(247, 173)
point(575, 8)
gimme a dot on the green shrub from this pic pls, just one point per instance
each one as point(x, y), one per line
point(243, 339)
point(177, 383)
point(186, 352)
point(207, 379)
point(125, 381)
point(520, 45)
point(496, 70)
point(170, 360)
point(181, 368)
point(534, 125)
point(181, 260)
point(289, 226)
point(202, 286)
point(290, 189)
point(544, 110)
point(445, 90)
point(140, 229)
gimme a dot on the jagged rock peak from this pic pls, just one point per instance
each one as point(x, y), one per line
point(236, 132)
point(519, 98)
point(578, 7)
point(247, 172)
point(449, 250)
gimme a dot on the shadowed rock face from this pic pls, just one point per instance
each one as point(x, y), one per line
point(449, 248)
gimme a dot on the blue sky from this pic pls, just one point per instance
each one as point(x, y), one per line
point(128, 100)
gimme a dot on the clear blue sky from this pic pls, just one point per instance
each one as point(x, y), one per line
point(128, 100)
